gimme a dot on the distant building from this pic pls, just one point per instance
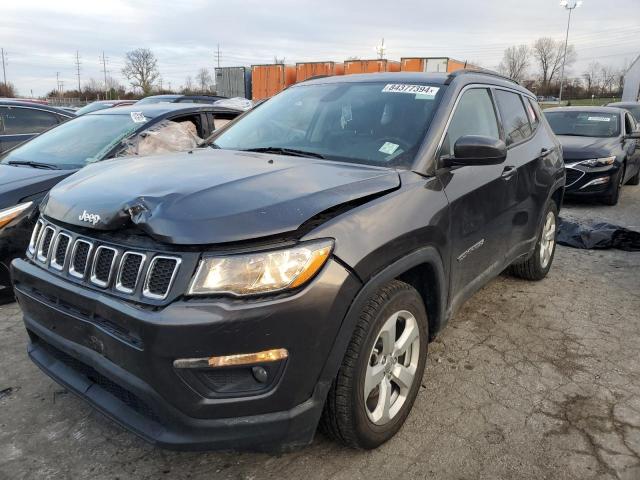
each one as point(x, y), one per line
point(631, 90)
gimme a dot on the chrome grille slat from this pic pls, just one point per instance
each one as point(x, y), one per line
point(84, 248)
point(44, 243)
point(104, 258)
point(129, 271)
point(155, 288)
point(60, 250)
point(35, 236)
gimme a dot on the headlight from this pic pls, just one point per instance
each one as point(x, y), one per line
point(598, 162)
point(9, 214)
point(261, 272)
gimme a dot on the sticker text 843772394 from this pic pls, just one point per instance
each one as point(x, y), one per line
point(424, 91)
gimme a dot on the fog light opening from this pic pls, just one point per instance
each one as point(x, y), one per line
point(596, 181)
point(265, 356)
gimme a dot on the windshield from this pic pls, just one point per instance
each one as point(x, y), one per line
point(75, 143)
point(375, 123)
point(584, 124)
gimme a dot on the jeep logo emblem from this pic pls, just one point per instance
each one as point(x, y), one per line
point(91, 218)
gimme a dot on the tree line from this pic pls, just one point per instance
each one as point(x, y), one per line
point(143, 74)
point(538, 67)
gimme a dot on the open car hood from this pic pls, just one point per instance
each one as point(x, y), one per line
point(211, 196)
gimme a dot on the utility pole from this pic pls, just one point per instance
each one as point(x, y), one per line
point(104, 71)
point(381, 49)
point(569, 5)
point(4, 69)
point(58, 83)
point(78, 69)
point(218, 55)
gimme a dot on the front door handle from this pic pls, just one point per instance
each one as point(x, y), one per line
point(508, 172)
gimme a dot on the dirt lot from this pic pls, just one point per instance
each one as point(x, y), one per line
point(530, 380)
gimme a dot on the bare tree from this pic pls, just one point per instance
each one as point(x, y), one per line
point(515, 61)
point(188, 85)
point(592, 77)
point(7, 90)
point(141, 69)
point(608, 75)
point(278, 61)
point(204, 80)
point(549, 54)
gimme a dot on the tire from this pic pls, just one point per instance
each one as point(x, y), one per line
point(539, 263)
point(348, 417)
point(635, 180)
point(613, 197)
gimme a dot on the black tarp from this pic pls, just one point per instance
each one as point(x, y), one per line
point(597, 235)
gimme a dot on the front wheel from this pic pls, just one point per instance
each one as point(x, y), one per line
point(614, 196)
point(538, 265)
point(382, 369)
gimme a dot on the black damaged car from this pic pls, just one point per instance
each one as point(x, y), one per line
point(601, 150)
point(294, 274)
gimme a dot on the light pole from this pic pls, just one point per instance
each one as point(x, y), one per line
point(568, 5)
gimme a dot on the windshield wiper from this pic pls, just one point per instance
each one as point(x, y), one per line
point(29, 163)
point(285, 151)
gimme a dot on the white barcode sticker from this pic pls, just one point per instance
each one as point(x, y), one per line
point(424, 91)
point(599, 119)
point(138, 117)
point(388, 148)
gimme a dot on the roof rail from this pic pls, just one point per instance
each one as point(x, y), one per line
point(482, 71)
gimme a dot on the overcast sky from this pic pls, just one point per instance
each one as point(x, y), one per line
point(42, 36)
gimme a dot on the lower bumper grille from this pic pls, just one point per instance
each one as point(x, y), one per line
point(91, 374)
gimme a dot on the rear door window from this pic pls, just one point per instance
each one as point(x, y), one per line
point(515, 119)
point(19, 120)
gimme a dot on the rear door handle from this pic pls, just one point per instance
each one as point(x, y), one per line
point(508, 172)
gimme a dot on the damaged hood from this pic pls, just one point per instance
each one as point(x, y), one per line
point(581, 148)
point(211, 196)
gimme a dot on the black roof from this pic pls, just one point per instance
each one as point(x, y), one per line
point(38, 106)
point(585, 109)
point(153, 110)
point(469, 76)
point(623, 104)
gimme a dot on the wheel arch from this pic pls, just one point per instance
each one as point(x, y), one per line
point(416, 268)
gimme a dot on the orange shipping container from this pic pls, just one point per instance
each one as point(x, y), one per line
point(305, 70)
point(370, 66)
point(432, 64)
point(269, 80)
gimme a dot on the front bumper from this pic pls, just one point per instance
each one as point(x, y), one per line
point(583, 181)
point(119, 357)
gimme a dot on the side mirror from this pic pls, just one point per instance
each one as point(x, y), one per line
point(477, 150)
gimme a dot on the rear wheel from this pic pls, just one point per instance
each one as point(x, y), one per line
point(382, 369)
point(635, 180)
point(538, 265)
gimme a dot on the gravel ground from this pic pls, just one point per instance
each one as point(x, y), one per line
point(529, 380)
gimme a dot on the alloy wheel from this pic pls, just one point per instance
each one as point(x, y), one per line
point(548, 239)
point(392, 367)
